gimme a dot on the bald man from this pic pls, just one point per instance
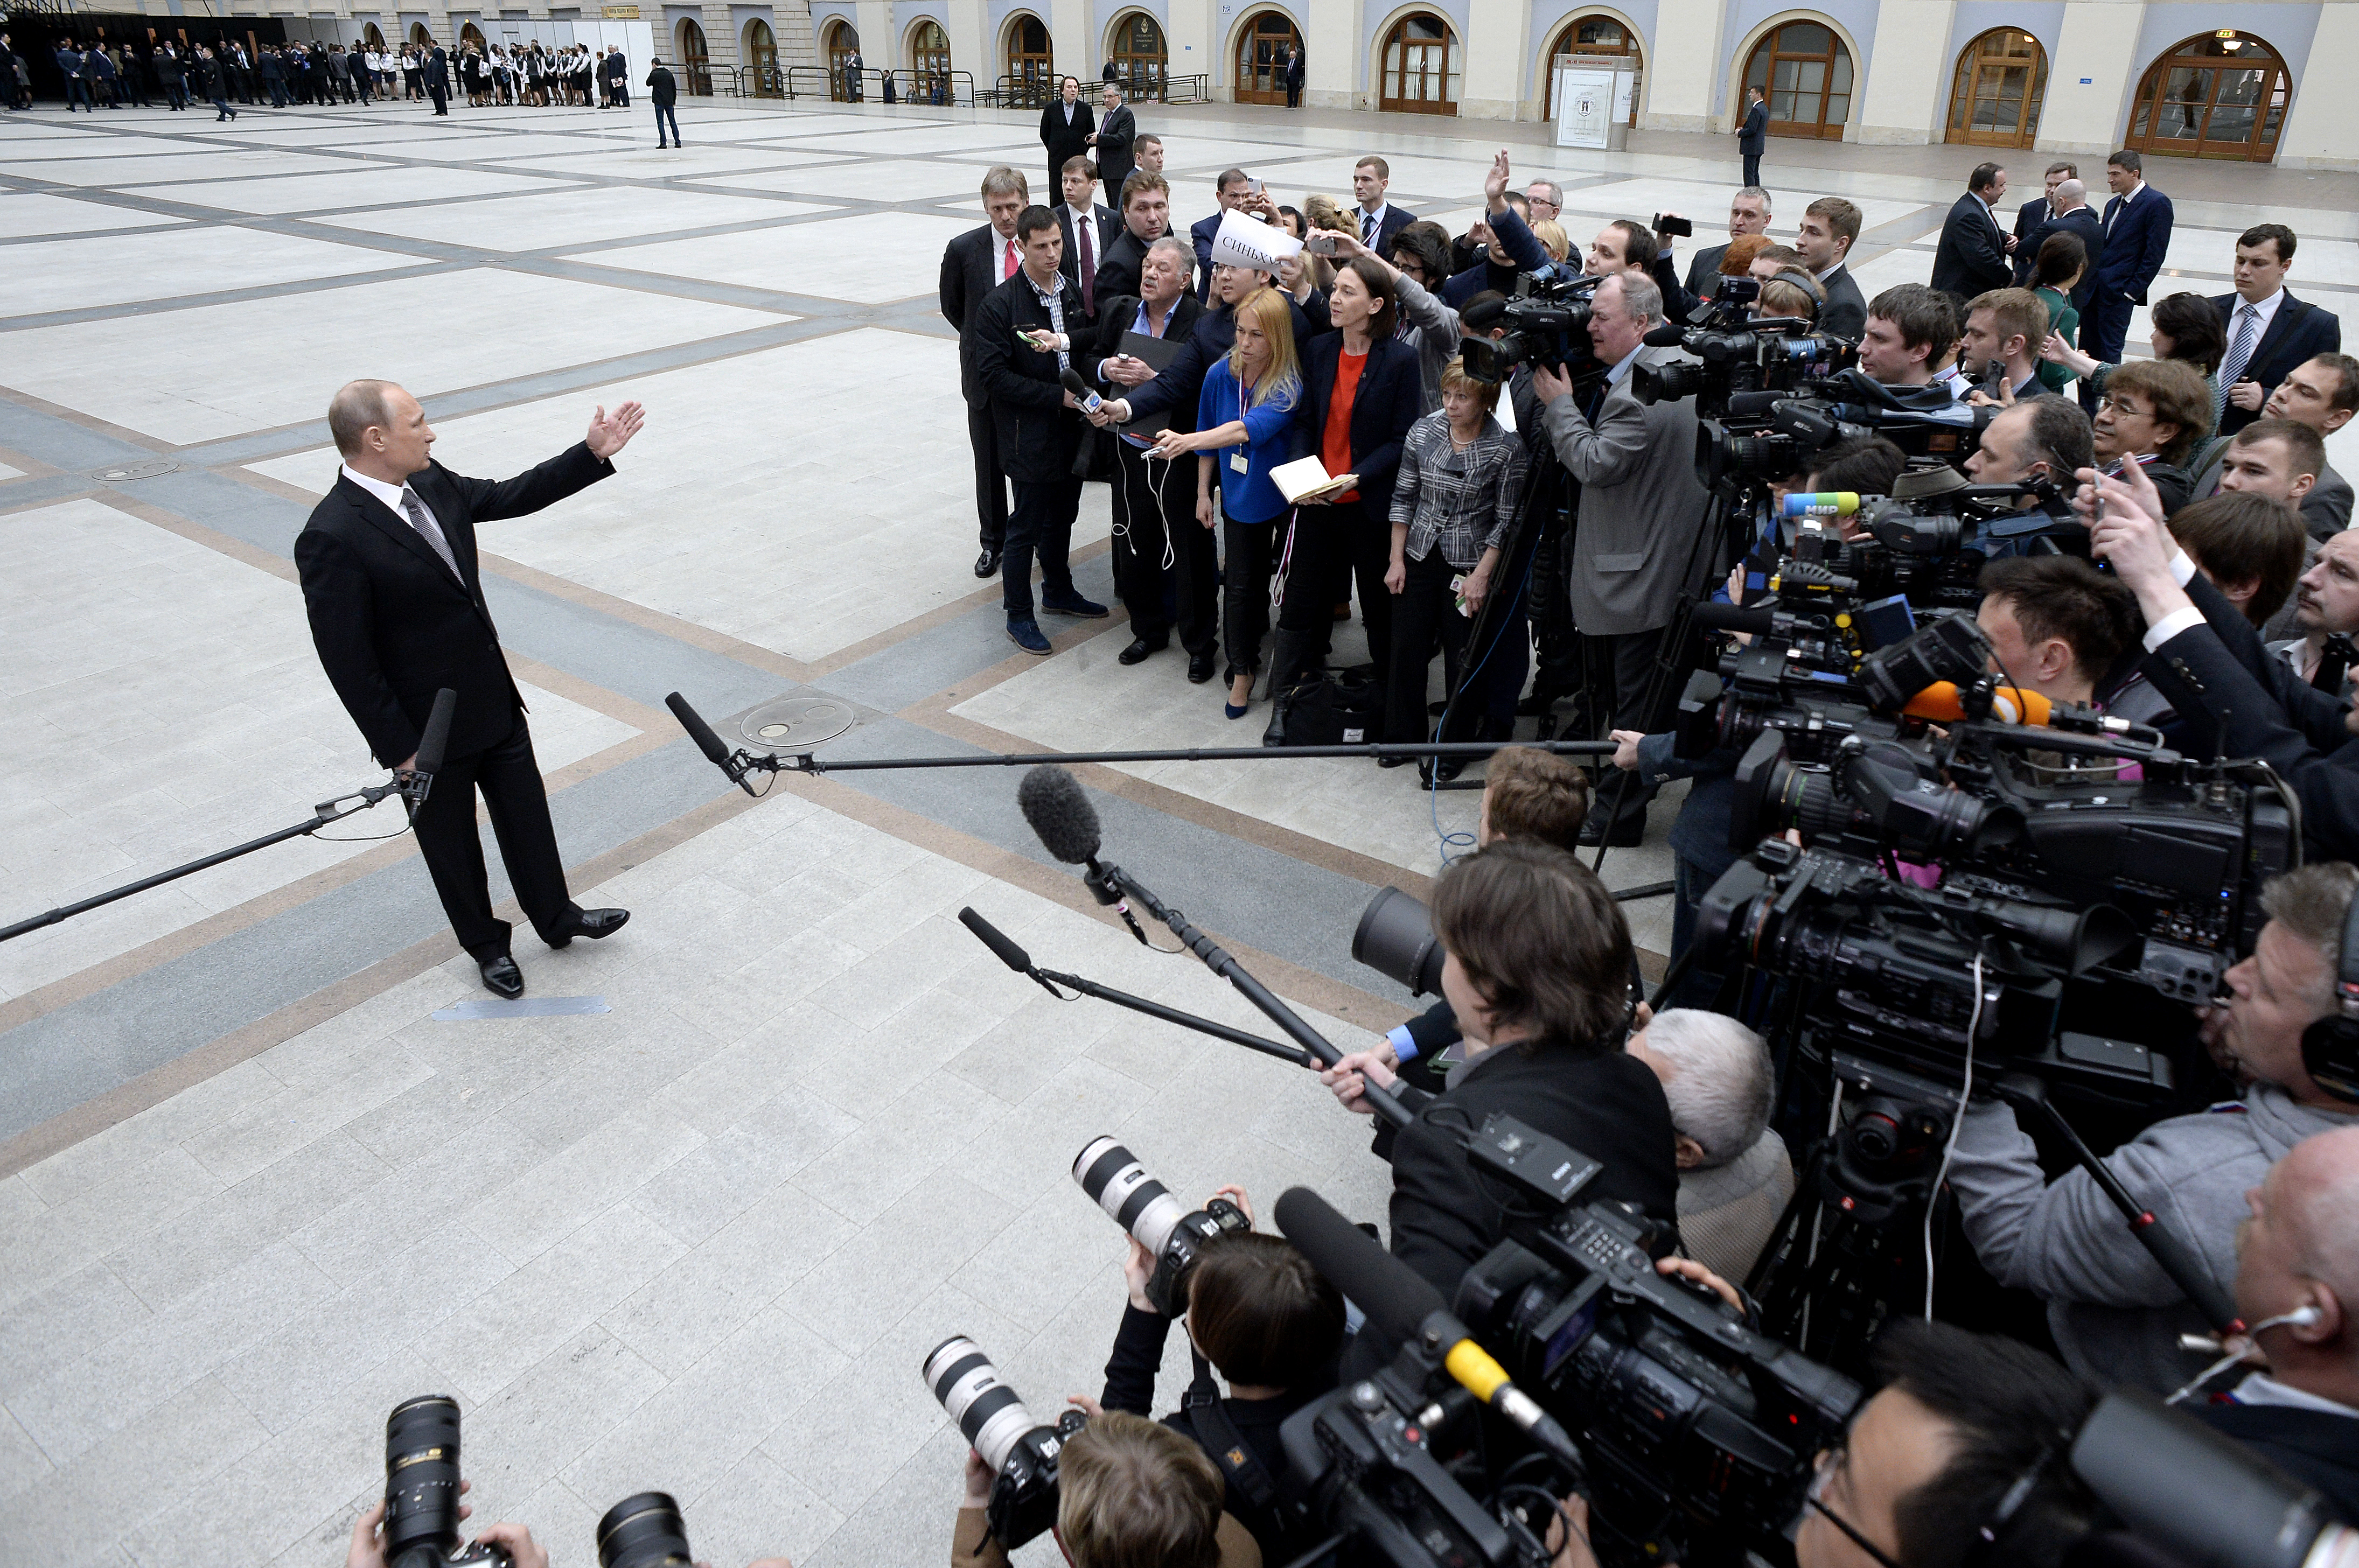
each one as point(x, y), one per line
point(2298, 1258)
point(394, 591)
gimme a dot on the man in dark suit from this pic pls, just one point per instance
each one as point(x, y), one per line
point(1753, 136)
point(438, 79)
point(1088, 228)
point(2069, 213)
point(1829, 225)
point(1154, 502)
point(1066, 126)
point(1377, 220)
point(1146, 218)
point(1748, 213)
point(2032, 216)
point(393, 587)
point(1110, 143)
point(1039, 421)
point(1972, 259)
point(973, 264)
point(2136, 224)
point(1229, 190)
point(2268, 331)
point(1293, 77)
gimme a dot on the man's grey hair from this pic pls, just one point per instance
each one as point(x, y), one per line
point(357, 406)
point(1555, 191)
point(2311, 904)
point(2071, 193)
point(1181, 248)
point(1754, 191)
point(1722, 1083)
point(1641, 298)
point(1114, 88)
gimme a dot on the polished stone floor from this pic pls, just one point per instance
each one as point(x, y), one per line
point(255, 1187)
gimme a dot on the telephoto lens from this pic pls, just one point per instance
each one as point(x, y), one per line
point(644, 1532)
point(1396, 938)
point(1119, 1185)
point(989, 1414)
point(421, 1481)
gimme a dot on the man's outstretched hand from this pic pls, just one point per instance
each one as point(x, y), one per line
point(610, 433)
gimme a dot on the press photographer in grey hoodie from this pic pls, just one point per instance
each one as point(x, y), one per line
point(2115, 1314)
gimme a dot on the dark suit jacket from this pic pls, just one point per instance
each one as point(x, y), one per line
point(1115, 159)
point(1124, 257)
point(1202, 233)
point(1973, 255)
point(1609, 1105)
point(1116, 313)
point(2081, 222)
point(1388, 400)
point(1753, 136)
point(2298, 333)
point(2029, 218)
point(1037, 434)
point(393, 626)
point(2136, 238)
point(2317, 1448)
point(1065, 141)
point(1703, 271)
point(970, 272)
point(438, 69)
point(1397, 218)
point(1173, 392)
point(1845, 312)
point(1099, 242)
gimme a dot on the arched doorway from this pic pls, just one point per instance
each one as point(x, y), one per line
point(1592, 36)
point(1031, 62)
point(761, 54)
point(471, 37)
point(1262, 47)
point(419, 37)
point(1139, 56)
point(695, 60)
point(929, 62)
point(2220, 95)
point(840, 42)
point(1420, 67)
point(1806, 73)
point(373, 38)
point(1994, 99)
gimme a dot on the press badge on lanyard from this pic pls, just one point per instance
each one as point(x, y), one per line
point(1237, 461)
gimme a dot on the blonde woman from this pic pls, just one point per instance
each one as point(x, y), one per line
point(1245, 418)
point(1552, 239)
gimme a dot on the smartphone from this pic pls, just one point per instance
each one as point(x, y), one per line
point(1320, 245)
point(1253, 188)
point(1678, 228)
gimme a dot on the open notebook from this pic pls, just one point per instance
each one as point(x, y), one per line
point(1306, 479)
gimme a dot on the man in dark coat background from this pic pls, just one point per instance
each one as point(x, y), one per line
point(1066, 126)
point(1753, 136)
point(1110, 145)
point(1972, 260)
point(438, 79)
point(973, 264)
point(393, 586)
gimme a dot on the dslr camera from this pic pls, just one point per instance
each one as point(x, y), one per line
point(421, 1488)
point(1021, 1452)
point(1119, 1185)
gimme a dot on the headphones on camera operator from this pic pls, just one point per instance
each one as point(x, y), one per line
point(2329, 1046)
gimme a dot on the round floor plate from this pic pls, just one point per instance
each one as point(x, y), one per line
point(150, 469)
point(797, 723)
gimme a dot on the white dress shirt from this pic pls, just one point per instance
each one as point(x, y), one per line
point(2263, 312)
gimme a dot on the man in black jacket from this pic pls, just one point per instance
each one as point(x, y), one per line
point(394, 591)
point(1753, 136)
point(664, 94)
point(1971, 258)
point(438, 79)
point(1829, 228)
point(1110, 143)
point(1538, 974)
point(1145, 203)
point(973, 264)
point(2068, 213)
point(2268, 330)
point(1066, 126)
point(1025, 335)
point(2298, 1257)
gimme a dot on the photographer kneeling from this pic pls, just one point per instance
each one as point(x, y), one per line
point(1128, 1493)
point(1538, 973)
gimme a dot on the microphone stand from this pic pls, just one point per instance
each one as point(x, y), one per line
point(411, 787)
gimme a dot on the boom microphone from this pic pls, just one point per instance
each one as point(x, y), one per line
point(1669, 335)
point(1716, 616)
point(1404, 1308)
point(1060, 813)
point(1474, 318)
point(698, 731)
point(437, 739)
point(998, 941)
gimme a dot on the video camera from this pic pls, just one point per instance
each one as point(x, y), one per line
point(1547, 324)
point(1021, 1452)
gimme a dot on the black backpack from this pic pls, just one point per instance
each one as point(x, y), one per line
point(1344, 707)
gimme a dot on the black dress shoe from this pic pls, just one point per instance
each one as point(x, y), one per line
point(1400, 762)
point(1140, 650)
point(591, 922)
point(1448, 768)
point(987, 564)
point(501, 976)
point(1200, 668)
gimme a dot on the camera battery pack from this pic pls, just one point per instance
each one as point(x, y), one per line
point(1530, 1159)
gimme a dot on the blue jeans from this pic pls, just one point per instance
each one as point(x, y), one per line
point(664, 113)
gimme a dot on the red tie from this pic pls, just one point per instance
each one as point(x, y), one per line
point(1082, 224)
point(1009, 271)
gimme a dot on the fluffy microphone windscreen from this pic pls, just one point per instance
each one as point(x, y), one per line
point(1059, 811)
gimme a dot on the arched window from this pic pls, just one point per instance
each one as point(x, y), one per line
point(1592, 37)
point(696, 61)
point(2220, 95)
point(1031, 62)
point(760, 50)
point(1420, 67)
point(1806, 73)
point(840, 42)
point(1140, 57)
point(929, 62)
point(1994, 99)
point(1262, 47)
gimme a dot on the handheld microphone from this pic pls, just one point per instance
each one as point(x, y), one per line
point(1404, 1309)
point(2010, 705)
point(432, 745)
point(733, 765)
point(1825, 503)
point(1089, 401)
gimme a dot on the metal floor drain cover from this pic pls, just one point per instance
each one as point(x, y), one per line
point(148, 470)
point(796, 723)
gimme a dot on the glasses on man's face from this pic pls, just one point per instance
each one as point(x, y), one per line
point(1834, 1463)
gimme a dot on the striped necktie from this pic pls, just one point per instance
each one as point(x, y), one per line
point(2240, 352)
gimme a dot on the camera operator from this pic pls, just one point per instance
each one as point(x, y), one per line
point(1129, 1494)
point(2061, 628)
point(2297, 1273)
point(2249, 546)
point(1911, 331)
point(1734, 1175)
point(2046, 438)
point(1270, 1324)
point(1635, 551)
point(1538, 971)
